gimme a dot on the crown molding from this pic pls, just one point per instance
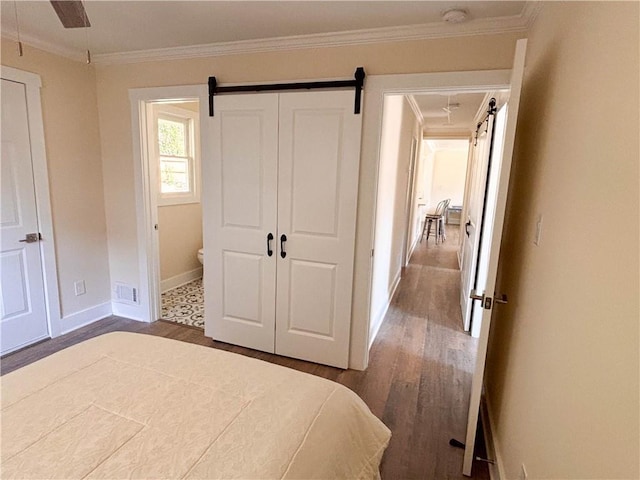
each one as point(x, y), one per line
point(483, 26)
point(70, 53)
point(416, 109)
point(530, 12)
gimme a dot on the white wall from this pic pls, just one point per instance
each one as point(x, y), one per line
point(417, 211)
point(448, 178)
point(395, 153)
point(427, 156)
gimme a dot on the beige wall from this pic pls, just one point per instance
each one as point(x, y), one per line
point(180, 233)
point(180, 238)
point(563, 368)
point(454, 54)
point(72, 139)
point(395, 148)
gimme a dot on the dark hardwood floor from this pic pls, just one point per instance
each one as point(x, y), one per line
point(419, 376)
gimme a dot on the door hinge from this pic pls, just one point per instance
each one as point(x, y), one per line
point(372, 252)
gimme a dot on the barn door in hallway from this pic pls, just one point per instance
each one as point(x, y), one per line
point(22, 299)
point(280, 212)
point(473, 222)
point(484, 299)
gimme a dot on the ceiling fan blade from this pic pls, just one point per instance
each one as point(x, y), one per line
point(71, 13)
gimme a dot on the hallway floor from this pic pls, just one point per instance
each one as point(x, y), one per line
point(428, 361)
point(419, 375)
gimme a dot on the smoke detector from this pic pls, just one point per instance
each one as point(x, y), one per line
point(455, 15)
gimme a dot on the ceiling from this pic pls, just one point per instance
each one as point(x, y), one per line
point(462, 117)
point(119, 28)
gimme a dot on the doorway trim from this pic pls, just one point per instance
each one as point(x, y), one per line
point(363, 331)
point(33, 84)
point(146, 204)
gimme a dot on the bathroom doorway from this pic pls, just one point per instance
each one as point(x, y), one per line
point(174, 177)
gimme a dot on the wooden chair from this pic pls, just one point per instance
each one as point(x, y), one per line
point(438, 218)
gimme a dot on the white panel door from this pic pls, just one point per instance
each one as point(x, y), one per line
point(472, 227)
point(22, 300)
point(318, 185)
point(492, 238)
point(239, 196)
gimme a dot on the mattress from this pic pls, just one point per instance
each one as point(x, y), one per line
point(126, 405)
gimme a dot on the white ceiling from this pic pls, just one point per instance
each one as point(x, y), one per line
point(462, 118)
point(118, 27)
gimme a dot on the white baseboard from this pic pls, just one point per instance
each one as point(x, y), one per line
point(377, 322)
point(85, 317)
point(181, 279)
point(132, 312)
point(413, 247)
point(496, 470)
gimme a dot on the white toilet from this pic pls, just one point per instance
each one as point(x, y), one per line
point(201, 256)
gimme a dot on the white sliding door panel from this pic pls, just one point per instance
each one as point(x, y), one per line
point(319, 158)
point(471, 240)
point(240, 195)
point(22, 300)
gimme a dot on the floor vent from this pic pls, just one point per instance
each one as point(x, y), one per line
point(126, 293)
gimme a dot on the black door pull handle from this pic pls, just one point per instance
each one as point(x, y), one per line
point(269, 238)
point(283, 238)
point(466, 227)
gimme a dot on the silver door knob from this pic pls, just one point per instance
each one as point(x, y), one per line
point(31, 238)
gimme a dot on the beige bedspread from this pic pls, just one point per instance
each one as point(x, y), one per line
point(127, 405)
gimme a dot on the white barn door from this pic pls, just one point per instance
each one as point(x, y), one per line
point(22, 297)
point(317, 198)
point(239, 199)
point(284, 166)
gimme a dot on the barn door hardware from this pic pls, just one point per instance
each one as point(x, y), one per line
point(357, 83)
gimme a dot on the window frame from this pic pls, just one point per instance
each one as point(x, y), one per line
point(190, 119)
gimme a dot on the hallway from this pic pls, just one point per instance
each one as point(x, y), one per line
point(428, 360)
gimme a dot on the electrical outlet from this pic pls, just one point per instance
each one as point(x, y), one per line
point(79, 288)
point(536, 240)
point(523, 474)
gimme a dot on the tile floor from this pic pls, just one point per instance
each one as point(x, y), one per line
point(185, 304)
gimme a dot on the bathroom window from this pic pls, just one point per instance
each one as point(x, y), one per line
point(178, 175)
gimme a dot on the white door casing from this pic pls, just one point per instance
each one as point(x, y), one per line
point(317, 199)
point(22, 294)
point(493, 238)
point(240, 210)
